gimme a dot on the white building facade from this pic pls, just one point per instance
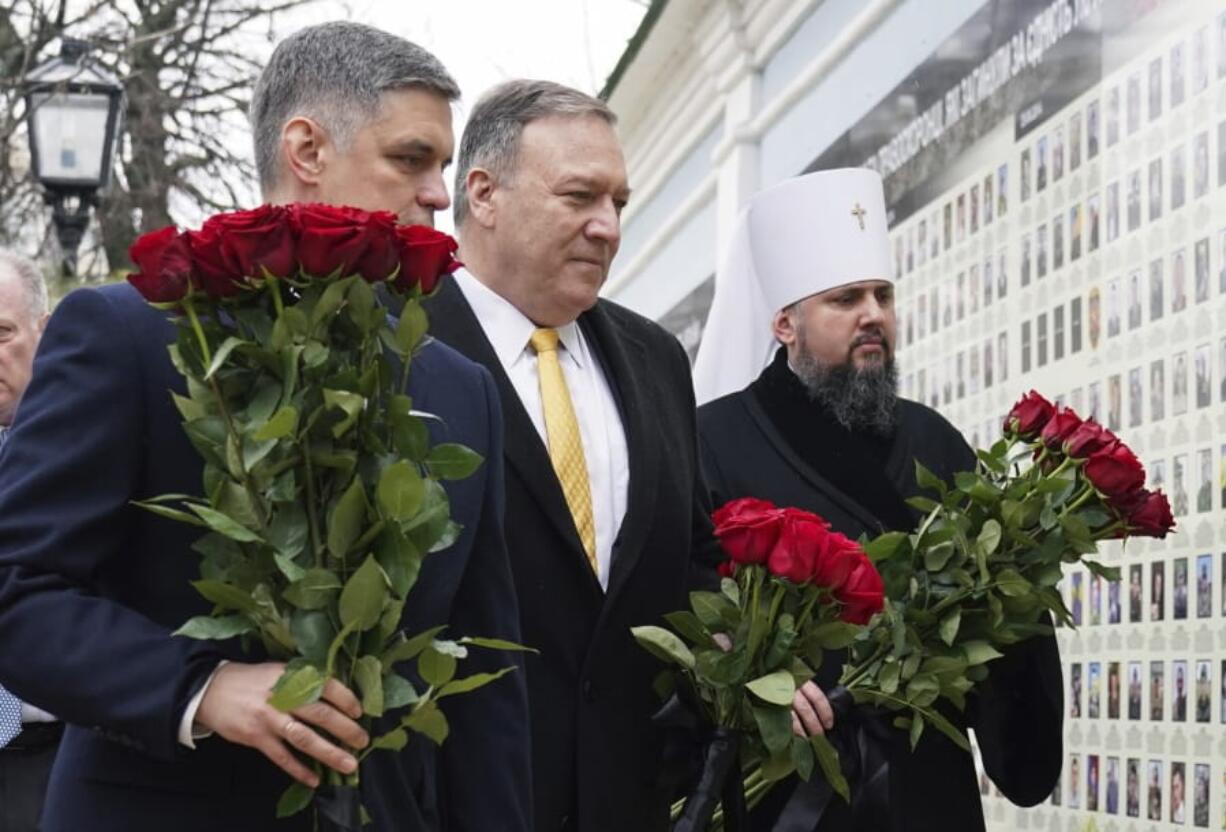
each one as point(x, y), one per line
point(1056, 176)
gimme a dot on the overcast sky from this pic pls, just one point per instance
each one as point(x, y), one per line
point(483, 42)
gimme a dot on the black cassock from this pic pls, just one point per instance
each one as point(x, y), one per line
point(772, 442)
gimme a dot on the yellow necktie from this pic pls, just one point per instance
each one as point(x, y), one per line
point(565, 443)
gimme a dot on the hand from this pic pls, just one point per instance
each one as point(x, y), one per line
point(236, 707)
point(811, 712)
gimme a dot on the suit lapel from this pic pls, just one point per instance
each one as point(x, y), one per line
point(452, 321)
point(806, 471)
point(623, 358)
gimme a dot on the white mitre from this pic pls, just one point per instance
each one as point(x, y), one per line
point(803, 236)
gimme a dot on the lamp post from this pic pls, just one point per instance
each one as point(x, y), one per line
point(73, 107)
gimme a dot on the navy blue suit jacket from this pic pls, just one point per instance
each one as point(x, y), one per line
point(91, 588)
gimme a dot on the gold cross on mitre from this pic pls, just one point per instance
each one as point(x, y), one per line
point(859, 213)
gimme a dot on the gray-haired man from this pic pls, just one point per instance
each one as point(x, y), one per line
point(91, 588)
point(605, 505)
point(28, 736)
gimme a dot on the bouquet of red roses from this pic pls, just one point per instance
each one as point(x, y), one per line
point(321, 492)
point(978, 573)
point(792, 589)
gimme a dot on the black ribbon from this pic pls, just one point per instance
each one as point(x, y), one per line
point(338, 808)
point(863, 737)
point(707, 757)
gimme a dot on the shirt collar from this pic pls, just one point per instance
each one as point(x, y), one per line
point(506, 328)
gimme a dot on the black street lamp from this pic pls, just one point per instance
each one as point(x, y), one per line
point(73, 106)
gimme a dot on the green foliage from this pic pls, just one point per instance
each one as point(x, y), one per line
point(321, 497)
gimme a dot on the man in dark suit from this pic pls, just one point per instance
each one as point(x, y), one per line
point(607, 521)
point(28, 735)
point(822, 428)
point(91, 587)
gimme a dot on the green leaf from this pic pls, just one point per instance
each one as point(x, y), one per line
point(300, 686)
point(947, 728)
point(688, 625)
point(664, 645)
point(315, 591)
point(917, 729)
point(189, 409)
point(450, 461)
point(223, 352)
point(923, 689)
point(313, 633)
point(294, 799)
point(283, 423)
point(949, 625)
point(888, 677)
point(400, 491)
point(397, 692)
point(828, 761)
point(885, 545)
point(429, 721)
point(227, 596)
point(207, 627)
point(989, 536)
point(802, 757)
point(411, 327)
point(777, 688)
point(714, 610)
point(936, 557)
point(405, 650)
point(929, 481)
point(368, 674)
point(349, 403)
point(169, 513)
point(330, 301)
point(435, 667)
point(1011, 583)
point(347, 518)
point(779, 765)
point(835, 635)
point(362, 599)
point(394, 740)
point(400, 559)
point(728, 587)
point(469, 683)
point(287, 530)
point(497, 644)
point(224, 525)
point(979, 652)
point(774, 726)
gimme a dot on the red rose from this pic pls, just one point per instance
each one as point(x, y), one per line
point(794, 555)
point(1029, 415)
point(747, 529)
point(217, 277)
point(165, 264)
point(1088, 438)
point(863, 596)
point(1062, 423)
point(425, 256)
point(836, 559)
point(1115, 471)
point(337, 238)
point(245, 241)
point(727, 569)
point(1151, 515)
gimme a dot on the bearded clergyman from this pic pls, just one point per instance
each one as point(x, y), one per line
point(822, 428)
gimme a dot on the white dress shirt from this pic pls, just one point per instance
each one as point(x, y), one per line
point(600, 426)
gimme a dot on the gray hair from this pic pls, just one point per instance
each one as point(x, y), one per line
point(33, 286)
point(335, 73)
point(491, 139)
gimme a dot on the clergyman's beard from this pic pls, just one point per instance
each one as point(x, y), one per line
point(860, 399)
